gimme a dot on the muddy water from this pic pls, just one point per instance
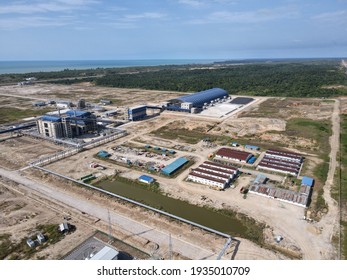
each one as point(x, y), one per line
point(203, 216)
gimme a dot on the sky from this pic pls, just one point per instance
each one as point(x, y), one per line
point(172, 29)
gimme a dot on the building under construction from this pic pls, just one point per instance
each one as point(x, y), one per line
point(71, 124)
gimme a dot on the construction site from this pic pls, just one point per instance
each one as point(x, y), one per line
point(165, 175)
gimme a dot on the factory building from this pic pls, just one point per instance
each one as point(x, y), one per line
point(63, 104)
point(195, 102)
point(106, 253)
point(289, 196)
point(213, 174)
point(284, 155)
point(282, 161)
point(174, 166)
point(137, 113)
point(68, 125)
point(235, 155)
point(81, 104)
point(207, 180)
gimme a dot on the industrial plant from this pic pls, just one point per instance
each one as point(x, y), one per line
point(71, 124)
point(197, 148)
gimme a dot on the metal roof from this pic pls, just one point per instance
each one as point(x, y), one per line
point(172, 167)
point(261, 178)
point(106, 253)
point(233, 154)
point(199, 98)
point(140, 107)
point(78, 113)
point(207, 177)
point(241, 100)
point(146, 178)
point(307, 181)
point(51, 118)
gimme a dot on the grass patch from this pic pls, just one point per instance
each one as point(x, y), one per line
point(343, 158)
point(6, 246)
point(340, 191)
point(328, 101)
point(8, 114)
point(154, 187)
point(321, 172)
point(269, 108)
point(21, 250)
point(188, 136)
point(320, 204)
point(344, 240)
point(319, 131)
point(254, 230)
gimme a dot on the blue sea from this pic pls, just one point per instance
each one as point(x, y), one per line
point(7, 67)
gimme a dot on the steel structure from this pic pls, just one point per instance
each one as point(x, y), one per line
point(198, 99)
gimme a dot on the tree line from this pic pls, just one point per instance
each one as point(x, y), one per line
point(285, 79)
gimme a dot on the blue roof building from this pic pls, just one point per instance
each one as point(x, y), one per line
point(172, 167)
point(137, 113)
point(146, 179)
point(103, 154)
point(196, 100)
point(199, 98)
point(307, 181)
point(78, 113)
point(67, 124)
point(48, 118)
point(261, 179)
point(252, 147)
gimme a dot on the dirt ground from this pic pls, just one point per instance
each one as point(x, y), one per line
point(22, 212)
point(17, 152)
point(24, 95)
point(266, 119)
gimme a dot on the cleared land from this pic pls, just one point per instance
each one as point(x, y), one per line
point(302, 125)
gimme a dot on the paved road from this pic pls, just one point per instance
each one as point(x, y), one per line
point(187, 249)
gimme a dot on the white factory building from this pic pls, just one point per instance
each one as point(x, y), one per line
point(213, 174)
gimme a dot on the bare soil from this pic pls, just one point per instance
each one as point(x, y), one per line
point(21, 213)
point(17, 152)
point(265, 120)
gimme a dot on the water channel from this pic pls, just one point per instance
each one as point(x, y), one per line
point(200, 215)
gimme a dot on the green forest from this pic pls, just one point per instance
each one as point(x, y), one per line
point(315, 78)
point(284, 79)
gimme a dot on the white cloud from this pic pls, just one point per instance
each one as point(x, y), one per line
point(33, 21)
point(261, 15)
point(131, 21)
point(192, 3)
point(147, 15)
point(205, 3)
point(336, 17)
point(30, 7)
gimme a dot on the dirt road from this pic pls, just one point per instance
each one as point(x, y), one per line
point(329, 222)
point(185, 248)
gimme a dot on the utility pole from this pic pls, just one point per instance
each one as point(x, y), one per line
point(109, 228)
point(170, 247)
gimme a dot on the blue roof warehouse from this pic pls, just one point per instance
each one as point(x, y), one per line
point(194, 102)
point(146, 179)
point(174, 166)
